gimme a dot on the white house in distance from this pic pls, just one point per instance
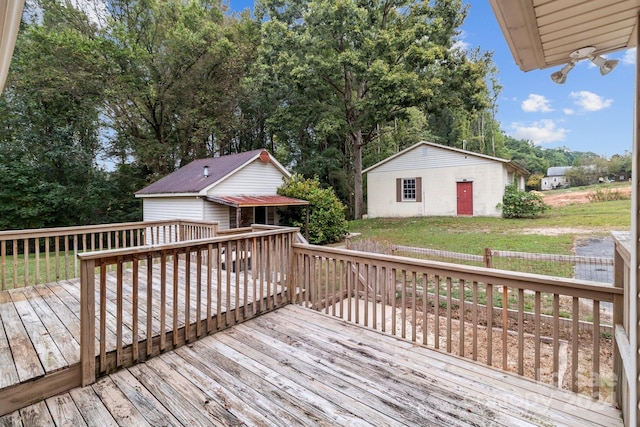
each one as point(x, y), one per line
point(235, 190)
point(430, 179)
point(556, 177)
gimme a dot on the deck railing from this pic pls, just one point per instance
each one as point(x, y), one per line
point(30, 257)
point(545, 328)
point(175, 293)
point(624, 358)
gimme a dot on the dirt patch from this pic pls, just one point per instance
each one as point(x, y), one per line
point(555, 231)
point(575, 197)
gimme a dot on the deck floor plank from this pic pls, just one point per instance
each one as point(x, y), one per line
point(439, 406)
point(143, 400)
point(11, 420)
point(187, 402)
point(64, 411)
point(64, 340)
point(8, 372)
point(36, 415)
point(300, 368)
point(121, 408)
point(50, 355)
point(93, 411)
point(25, 356)
point(525, 397)
point(300, 404)
point(244, 402)
point(296, 367)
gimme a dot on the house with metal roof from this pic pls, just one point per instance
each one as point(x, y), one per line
point(235, 191)
point(556, 178)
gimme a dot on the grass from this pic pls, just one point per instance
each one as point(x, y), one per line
point(472, 235)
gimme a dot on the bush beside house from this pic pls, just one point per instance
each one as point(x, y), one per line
point(327, 222)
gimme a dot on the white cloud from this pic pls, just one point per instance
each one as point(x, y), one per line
point(461, 45)
point(540, 132)
point(590, 101)
point(568, 111)
point(629, 57)
point(536, 103)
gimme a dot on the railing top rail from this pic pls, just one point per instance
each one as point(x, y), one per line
point(63, 231)
point(530, 281)
point(156, 250)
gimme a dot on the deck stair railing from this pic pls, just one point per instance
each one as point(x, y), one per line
point(30, 257)
point(546, 328)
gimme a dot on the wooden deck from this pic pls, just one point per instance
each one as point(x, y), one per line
point(40, 325)
point(294, 366)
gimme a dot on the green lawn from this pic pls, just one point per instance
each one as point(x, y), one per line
point(472, 235)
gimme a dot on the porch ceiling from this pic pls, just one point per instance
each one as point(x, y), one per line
point(542, 33)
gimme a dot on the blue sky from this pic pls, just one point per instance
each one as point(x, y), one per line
point(589, 112)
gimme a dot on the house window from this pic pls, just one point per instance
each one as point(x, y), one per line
point(409, 189)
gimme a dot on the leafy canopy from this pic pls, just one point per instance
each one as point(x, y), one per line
point(327, 223)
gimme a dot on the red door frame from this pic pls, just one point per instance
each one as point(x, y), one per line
point(464, 192)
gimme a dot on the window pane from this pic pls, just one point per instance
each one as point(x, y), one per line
point(409, 189)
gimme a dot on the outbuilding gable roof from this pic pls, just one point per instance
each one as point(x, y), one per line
point(558, 170)
point(446, 147)
point(191, 178)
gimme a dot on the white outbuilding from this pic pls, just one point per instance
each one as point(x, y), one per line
point(236, 190)
point(430, 179)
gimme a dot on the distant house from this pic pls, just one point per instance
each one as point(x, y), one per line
point(556, 178)
point(429, 179)
point(235, 190)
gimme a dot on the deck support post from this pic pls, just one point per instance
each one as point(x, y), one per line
point(87, 321)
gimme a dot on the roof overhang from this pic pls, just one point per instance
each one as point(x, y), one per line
point(10, 16)
point(543, 33)
point(254, 201)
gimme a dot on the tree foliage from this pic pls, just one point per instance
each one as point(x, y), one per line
point(345, 68)
point(103, 98)
point(521, 204)
point(327, 223)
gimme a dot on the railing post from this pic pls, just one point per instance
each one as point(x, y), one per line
point(87, 322)
point(621, 279)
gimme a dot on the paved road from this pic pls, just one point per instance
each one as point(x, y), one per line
point(596, 246)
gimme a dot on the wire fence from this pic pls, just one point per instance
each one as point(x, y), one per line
point(597, 269)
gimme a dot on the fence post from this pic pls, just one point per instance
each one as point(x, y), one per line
point(488, 258)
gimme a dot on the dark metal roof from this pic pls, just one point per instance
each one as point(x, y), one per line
point(251, 201)
point(190, 178)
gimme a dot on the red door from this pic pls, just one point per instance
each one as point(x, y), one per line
point(465, 198)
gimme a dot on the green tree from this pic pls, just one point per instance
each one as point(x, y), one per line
point(343, 68)
point(327, 223)
point(53, 102)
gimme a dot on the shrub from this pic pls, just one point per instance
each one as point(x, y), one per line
point(520, 204)
point(327, 223)
point(607, 195)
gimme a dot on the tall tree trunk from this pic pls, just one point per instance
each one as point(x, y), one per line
point(357, 174)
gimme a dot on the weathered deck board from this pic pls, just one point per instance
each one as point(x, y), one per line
point(27, 364)
point(295, 367)
point(42, 323)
